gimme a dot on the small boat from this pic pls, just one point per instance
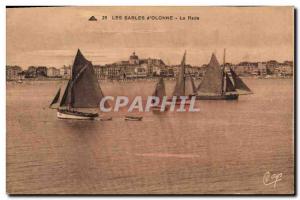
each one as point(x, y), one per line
point(133, 118)
point(72, 114)
point(82, 91)
point(183, 87)
point(217, 85)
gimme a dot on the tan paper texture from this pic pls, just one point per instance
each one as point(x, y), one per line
point(234, 65)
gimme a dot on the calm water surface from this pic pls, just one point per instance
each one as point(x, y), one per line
point(227, 147)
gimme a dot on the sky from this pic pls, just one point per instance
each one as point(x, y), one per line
point(51, 36)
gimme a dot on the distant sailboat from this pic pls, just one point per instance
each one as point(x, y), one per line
point(183, 87)
point(160, 92)
point(217, 85)
point(82, 91)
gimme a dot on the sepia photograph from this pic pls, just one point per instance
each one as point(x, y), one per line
point(150, 100)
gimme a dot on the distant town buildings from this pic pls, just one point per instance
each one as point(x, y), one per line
point(136, 67)
point(35, 72)
point(132, 68)
point(41, 71)
point(271, 67)
point(261, 69)
point(53, 72)
point(65, 72)
point(100, 71)
point(13, 72)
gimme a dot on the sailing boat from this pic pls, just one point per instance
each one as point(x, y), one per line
point(160, 92)
point(82, 91)
point(217, 85)
point(182, 87)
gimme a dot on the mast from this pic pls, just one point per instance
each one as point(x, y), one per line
point(183, 65)
point(223, 72)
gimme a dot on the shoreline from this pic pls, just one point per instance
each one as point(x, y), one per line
point(139, 80)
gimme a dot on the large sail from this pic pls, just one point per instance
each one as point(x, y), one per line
point(179, 89)
point(238, 83)
point(229, 86)
point(83, 90)
point(190, 87)
point(212, 80)
point(160, 90)
point(64, 99)
point(56, 98)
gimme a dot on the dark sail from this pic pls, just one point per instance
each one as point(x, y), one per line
point(229, 86)
point(213, 78)
point(83, 90)
point(238, 83)
point(179, 89)
point(160, 90)
point(56, 98)
point(64, 98)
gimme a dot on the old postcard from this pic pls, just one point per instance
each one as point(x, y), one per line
point(150, 100)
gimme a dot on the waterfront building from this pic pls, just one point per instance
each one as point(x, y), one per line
point(169, 71)
point(30, 72)
point(288, 63)
point(53, 72)
point(113, 71)
point(13, 72)
point(41, 71)
point(140, 71)
point(101, 71)
point(65, 72)
point(152, 65)
point(134, 59)
point(132, 68)
point(285, 69)
point(262, 68)
point(246, 68)
point(200, 71)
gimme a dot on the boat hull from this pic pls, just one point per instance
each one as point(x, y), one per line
point(218, 97)
point(131, 118)
point(66, 114)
